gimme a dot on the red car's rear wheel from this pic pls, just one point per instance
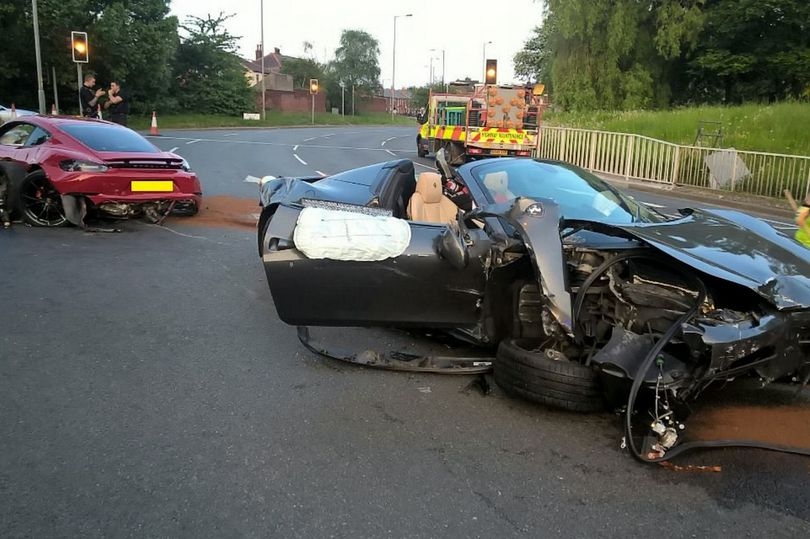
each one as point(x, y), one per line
point(40, 203)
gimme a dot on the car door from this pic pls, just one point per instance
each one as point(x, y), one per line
point(417, 288)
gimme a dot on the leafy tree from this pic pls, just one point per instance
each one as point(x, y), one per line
point(357, 61)
point(133, 40)
point(533, 62)
point(301, 70)
point(753, 49)
point(211, 79)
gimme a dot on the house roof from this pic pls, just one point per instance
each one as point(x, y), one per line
point(398, 94)
point(272, 62)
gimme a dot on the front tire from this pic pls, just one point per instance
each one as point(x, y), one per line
point(524, 372)
point(40, 203)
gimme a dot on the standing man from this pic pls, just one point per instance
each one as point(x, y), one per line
point(117, 103)
point(88, 97)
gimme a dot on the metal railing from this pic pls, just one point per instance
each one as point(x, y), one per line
point(642, 158)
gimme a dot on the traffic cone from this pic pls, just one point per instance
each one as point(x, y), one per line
point(13, 111)
point(54, 112)
point(153, 130)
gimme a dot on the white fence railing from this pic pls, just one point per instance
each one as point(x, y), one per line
point(643, 158)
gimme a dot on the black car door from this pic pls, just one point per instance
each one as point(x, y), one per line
point(417, 288)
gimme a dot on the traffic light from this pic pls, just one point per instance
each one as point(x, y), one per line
point(313, 86)
point(492, 72)
point(80, 48)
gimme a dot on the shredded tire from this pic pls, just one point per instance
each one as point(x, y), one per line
point(531, 375)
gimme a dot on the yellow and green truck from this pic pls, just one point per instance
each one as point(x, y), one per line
point(491, 121)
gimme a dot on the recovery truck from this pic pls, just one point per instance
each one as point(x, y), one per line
point(490, 121)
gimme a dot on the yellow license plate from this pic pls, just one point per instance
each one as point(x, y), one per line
point(152, 186)
point(499, 152)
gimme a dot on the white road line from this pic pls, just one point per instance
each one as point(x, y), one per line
point(230, 134)
point(310, 138)
point(387, 140)
point(321, 173)
point(389, 151)
point(286, 145)
point(251, 179)
point(421, 165)
point(174, 149)
point(295, 148)
point(194, 141)
point(300, 160)
point(650, 204)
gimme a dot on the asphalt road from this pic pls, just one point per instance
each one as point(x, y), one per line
point(147, 388)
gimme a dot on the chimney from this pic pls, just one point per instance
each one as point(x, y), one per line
point(259, 51)
point(278, 51)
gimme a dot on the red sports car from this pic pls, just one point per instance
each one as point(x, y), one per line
point(55, 170)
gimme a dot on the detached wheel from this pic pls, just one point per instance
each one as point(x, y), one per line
point(39, 202)
point(524, 372)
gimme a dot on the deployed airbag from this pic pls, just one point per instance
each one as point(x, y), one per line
point(346, 235)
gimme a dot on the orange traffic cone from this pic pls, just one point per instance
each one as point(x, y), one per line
point(154, 129)
point(54, 112)
point(13, 111)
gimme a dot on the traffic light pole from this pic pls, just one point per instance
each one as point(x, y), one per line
point(41, 90)
point(79, 93)
point(313, 109)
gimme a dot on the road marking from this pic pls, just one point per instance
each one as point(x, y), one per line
point(295, 148)
point(387, 140)
point(194, 141)
point(230, 134)
point(286, 145)
point(389, 151)
point(421, 165)
point(251, 179)
point(174, 149)
point(300, 160)
point(650, 204)
point(321, 173)
point(310, 138)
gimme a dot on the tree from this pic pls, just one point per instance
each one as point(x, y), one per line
point(132, 40)
point(210, 77)
point(533, 62)
point(301, 70)
point(357, 61)
point(753, 50)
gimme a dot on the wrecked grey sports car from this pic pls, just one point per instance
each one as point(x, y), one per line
point(589, 297)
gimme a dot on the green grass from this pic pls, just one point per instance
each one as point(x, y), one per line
point(274, 119)
point(780, 128)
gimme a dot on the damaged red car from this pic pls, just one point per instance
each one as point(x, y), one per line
point(587, 298)
point(55, 170)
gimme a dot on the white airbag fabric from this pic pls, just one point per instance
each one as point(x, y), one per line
point(344, 235)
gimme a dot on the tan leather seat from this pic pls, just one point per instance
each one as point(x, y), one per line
point(428, 204)
point(498, 185)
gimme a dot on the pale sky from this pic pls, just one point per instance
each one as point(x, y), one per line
point(459, 27)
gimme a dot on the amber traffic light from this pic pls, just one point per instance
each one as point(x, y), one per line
point(492, 72)
point(80, 48)
point(313, 86)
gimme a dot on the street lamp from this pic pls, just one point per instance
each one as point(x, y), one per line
point(41, 91)
point(394, 63)
point(435, 50)
point(484, 59)
point(264, 105)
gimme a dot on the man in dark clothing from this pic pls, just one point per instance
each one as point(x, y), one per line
point(88, 97)
point(118, 103)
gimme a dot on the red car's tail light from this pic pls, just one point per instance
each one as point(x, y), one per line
point(76, 165)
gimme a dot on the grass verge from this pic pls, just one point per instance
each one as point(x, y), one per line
point(274, 119)
point(778, 128)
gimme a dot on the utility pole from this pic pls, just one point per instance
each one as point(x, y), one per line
point(40, 89)
point(264, 90)
point(394, 63)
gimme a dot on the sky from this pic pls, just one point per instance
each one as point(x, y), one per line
point(464, 30)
